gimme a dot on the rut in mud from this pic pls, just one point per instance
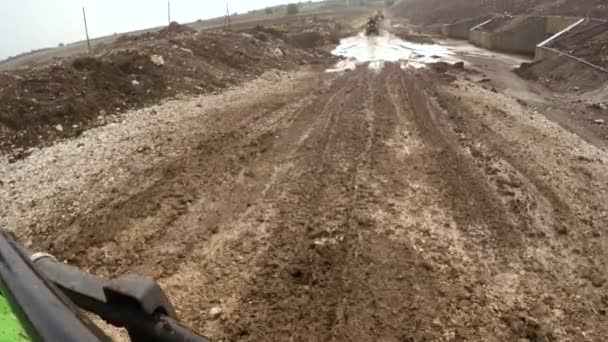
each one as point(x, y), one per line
point(364, 206)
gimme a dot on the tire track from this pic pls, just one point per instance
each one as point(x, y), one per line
point(302, 269)
point(123, 234)
point(253, 226)
point(477, 210)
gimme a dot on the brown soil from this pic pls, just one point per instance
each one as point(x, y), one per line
point(580, 8)
point(81, 92)
point(410, 36)
point(174, 29)
point(428, 12)
point(563, 74)
point(398, 205)
point(593, 50)
point(511, 23)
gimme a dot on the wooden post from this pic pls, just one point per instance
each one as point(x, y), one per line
point(169, 18)
point(86, 29)
point(227, 18)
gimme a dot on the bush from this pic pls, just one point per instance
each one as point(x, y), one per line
point(389, 3)
point(268, 10)
point(293, 9)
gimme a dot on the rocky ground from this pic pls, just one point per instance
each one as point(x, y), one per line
point(43, 104)
point(393, 205)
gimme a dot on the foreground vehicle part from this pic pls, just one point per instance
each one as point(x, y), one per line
point(44, 293)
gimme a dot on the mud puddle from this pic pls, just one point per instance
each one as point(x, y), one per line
point(375, 51)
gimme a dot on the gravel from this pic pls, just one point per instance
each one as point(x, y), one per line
point(70, 178)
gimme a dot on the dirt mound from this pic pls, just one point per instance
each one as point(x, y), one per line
point(443, 67)
point(373, 206)
point(509, 23)
point(314, 35)
point(593, 50)
point(581, 8)
point(269, 31)
point(56, 94)
point(308, 39)
point(38, 106)
point(563, 74)
point(175, 29)
point(428, 12)
point(497, 24)
point(526, 71)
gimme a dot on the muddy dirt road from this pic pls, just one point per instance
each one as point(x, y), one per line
point(386, 205)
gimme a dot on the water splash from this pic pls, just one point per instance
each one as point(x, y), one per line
point(361, 49)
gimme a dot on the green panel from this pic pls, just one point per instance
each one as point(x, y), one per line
point(10, 327)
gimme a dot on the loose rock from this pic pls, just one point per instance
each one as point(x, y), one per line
point(157, 60)
point(215, 312)
point(278, 52)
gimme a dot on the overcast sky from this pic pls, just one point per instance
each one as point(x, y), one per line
point(34, 24)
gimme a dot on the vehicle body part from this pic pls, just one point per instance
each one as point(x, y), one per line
point(43, 294)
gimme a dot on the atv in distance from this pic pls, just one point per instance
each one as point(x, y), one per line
point(372, 28)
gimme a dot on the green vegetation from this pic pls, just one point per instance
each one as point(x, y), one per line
point(293, 9)
point(280, 27)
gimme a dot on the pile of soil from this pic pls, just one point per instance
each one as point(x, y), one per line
point(308, 39)
point(429, 12)
point(497, 23)
point(174, 30)
point(593, 50)
point(578, 8)
point(566, 74)
point(510, 23)
point(306, 35)
point(82, 87)
point(562, 74)
point(265, 32)
point(41, 105)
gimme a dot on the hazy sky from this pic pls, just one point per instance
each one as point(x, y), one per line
point(34, 24)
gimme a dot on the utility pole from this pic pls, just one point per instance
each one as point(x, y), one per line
point(227, 18)
point(86, 28)
point(169, 18)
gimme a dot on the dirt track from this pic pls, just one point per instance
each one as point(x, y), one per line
point(367, 206)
